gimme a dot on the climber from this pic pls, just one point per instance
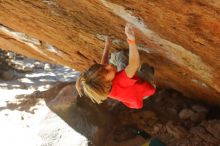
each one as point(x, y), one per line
point(103, 80)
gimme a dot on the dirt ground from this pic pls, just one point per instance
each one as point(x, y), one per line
point(28, 121)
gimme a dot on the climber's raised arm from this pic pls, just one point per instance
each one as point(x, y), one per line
point(108, 43)
point(134, 58)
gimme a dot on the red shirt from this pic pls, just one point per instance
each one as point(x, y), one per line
point(130, 91)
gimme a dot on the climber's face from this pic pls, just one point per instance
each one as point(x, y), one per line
point(111, 71)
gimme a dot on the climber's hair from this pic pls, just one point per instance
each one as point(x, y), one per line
point(93, 84)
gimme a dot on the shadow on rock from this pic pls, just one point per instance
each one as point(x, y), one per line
point(87, 118)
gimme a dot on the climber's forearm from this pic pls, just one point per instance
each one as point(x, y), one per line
point(104, 59)
point(108, 43)
point(134, 60)
point(134, 57)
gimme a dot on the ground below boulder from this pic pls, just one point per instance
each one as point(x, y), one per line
point(50, 112)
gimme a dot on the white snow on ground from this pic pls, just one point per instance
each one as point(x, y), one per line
point(21, 128)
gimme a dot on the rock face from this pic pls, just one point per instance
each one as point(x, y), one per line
point(180, 38)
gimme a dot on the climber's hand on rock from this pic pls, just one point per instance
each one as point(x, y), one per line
point(129, 31)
